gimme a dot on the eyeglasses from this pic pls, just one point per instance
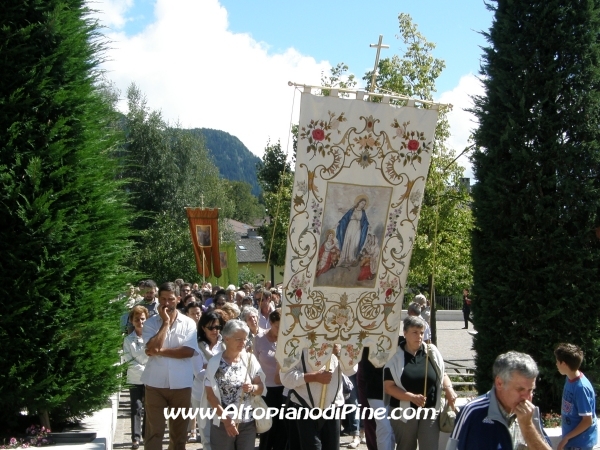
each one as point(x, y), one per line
point(217, 327)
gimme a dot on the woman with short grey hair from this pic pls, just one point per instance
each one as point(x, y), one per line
point(234, 326)
point(250, 316)
point(232, 378)
point(415, 378)
point(248, 311)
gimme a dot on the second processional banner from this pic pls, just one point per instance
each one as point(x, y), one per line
point(359, 182)
point(204, 230)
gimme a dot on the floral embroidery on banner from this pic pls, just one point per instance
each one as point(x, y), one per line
point(317, 132)
point(412, 145)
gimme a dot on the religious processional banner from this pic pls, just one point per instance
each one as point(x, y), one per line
point(204, 228)
point(360, 177)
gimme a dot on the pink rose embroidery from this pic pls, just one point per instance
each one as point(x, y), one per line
point(318, 134)
point(413, 145)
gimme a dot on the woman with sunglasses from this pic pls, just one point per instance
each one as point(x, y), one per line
point(209, 343)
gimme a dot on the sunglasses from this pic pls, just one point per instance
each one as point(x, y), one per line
point(217, 327)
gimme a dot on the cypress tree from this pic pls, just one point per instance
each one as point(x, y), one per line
point(63, 221)
point(535, 252)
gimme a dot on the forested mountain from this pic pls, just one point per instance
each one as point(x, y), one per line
point(231, 156)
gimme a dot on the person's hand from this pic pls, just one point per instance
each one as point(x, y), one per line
point(451, 399)
point(524, 412)
point(230, 427)
point(164, 315)
point(151, 351)
point(323, 376)
point(247, 387)
point(562, 444)
point(418, 400)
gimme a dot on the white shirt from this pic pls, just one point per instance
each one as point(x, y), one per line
point(135, 357)
point(427, 333)
point(165, 372)
point(263, 321)
point(294, 379)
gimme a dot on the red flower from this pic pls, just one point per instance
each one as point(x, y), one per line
point(413, 145)
point(318, 134)
point(299, 293)
point(389, 292)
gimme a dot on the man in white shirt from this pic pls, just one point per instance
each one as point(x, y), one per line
point(171, 341)
point(305, 391)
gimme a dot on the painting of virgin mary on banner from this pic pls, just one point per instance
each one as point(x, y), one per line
point(354, 215)
point(360, 176)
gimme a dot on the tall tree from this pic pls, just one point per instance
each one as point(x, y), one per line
point(63, 221)
point(442, 246)
point(276, 178)
point(246, 208)
point(535, 253)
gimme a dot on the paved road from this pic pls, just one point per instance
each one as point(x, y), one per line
point(453, 342)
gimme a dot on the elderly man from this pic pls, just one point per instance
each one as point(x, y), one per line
point(171, 341)
point(504, 418)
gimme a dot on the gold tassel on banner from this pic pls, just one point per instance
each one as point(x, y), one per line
point(204, 228)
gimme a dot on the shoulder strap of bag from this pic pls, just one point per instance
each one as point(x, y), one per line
point(310, 397)
point(434, 363)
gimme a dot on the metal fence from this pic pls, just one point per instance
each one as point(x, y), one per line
point(442, 303)
point(448, 303)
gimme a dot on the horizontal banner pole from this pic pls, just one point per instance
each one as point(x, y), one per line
point(360, 94)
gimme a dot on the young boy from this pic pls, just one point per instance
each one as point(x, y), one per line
point(578, 410)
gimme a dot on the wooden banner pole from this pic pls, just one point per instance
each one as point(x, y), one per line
point(324, 390)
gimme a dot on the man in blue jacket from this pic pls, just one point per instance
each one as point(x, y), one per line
point(504, 418)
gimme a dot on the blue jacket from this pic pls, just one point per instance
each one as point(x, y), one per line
point(481, 426)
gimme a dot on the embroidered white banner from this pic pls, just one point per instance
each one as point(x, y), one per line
point(360, 176)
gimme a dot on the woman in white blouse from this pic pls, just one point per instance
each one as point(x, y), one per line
point(135, 357)
point(232, 378)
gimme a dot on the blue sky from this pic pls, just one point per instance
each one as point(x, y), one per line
point(342, 31)
point(225, 64)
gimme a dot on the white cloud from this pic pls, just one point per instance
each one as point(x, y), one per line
point(111, 13)
point(462, 122)
point(196, 71)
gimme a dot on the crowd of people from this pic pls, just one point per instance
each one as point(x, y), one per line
point(205, 347)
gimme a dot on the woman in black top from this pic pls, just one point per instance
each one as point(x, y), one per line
point(413, 379)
